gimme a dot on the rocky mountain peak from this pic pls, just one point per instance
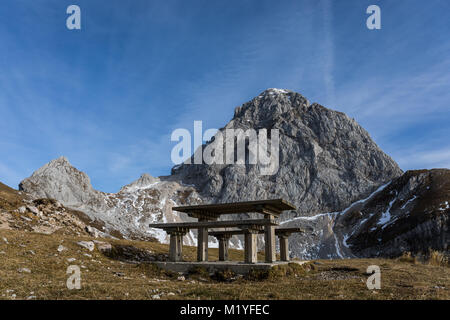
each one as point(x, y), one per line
point(126, 213)
point(144, 182)
point(61, 160)
point(269, 105)
point(326, 159)
point(59, 164)
point(58, 179)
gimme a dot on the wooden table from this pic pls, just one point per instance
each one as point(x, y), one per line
point(208, 216)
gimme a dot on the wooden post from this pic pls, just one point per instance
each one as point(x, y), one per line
point(173, 249)
point(202, 244)
point(223, 247)
point(176, 246)
point(180, 246)
point(284, 247)
point(250, 250)
point(269, 241)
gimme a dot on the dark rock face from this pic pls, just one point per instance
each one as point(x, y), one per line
point(411, 214)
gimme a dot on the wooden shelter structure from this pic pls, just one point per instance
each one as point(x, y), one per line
point(208, 218)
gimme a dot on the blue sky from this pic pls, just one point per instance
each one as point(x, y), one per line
point(109, 95)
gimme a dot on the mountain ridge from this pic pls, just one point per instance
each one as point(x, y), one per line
point(328, 162)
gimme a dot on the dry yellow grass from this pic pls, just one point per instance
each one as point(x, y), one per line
point(107, 278)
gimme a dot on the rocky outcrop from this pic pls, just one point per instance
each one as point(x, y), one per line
point(59, 177)
point(146, 181)
point(411, 214)
point(19, 212)
point(126, 213)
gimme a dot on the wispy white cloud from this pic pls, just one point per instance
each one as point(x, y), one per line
point(416, 158)
point(388, 105)
point(405, 114)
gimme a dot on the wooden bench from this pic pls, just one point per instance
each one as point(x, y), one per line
point(208, 216)
point(270, 209)
point(250, 228)
point(283, 234)
point(213, 224)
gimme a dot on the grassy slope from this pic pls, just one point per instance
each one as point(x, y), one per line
point(106, 278)
point(9, 198)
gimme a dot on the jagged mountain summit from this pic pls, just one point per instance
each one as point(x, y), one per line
point(327, 161)
point(327, 164)
point(126, 213)
point(144, 182)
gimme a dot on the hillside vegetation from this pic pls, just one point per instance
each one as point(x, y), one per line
point(40, 239)
point(34, 266)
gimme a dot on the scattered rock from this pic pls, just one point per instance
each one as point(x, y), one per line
point(61, 248)
point(156, 297)
point(22, 210)
point(24, 270)
point(87, 244)
point(103, 247)
point(34, 210)
point(6, 240)
point(71, 259)
point(92, 231)
point(438, 287)
point(26, 218)
point(181, 278)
